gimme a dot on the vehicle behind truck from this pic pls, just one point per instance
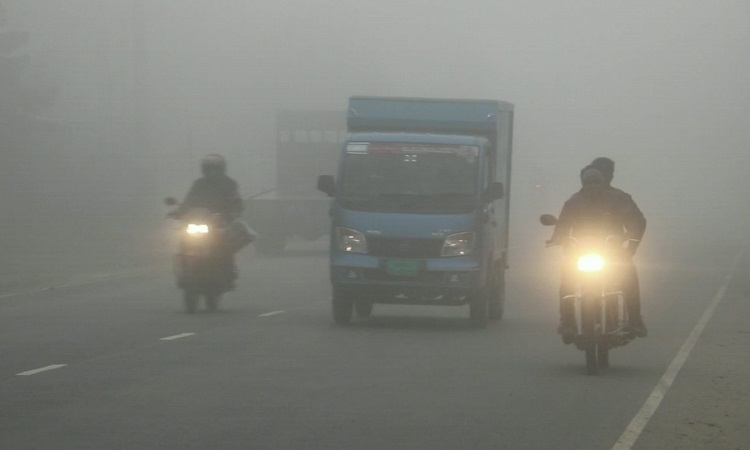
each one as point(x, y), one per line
point(420, 206)
point(307, 143)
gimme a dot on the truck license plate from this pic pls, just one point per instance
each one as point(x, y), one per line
point(402, 267)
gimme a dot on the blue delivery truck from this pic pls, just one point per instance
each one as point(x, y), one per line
point(420, 206)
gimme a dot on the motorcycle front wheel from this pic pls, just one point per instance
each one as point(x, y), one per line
point(588, 327)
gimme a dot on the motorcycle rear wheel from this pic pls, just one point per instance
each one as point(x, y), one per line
point(190, 301)
point(212, 302)
point(602, 356)
point(592, 365)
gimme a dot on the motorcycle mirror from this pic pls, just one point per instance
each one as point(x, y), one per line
point(170, 201)
point(548, 220)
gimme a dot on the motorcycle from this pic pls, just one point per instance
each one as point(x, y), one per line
point(201, 265)
point(601, 315)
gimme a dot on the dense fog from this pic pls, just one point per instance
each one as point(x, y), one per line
point(123, 97)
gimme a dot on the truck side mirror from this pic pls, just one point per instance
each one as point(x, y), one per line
point(494, 191)
point(327, 184)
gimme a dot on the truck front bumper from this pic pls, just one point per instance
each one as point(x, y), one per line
point(435, 281)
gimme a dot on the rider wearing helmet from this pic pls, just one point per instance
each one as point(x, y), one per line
point(219, 194)
point(214, 191)
point(595, 208)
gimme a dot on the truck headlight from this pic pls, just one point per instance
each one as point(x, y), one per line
point(590, 262)
point(459, 244)
point(351, 241)
point(197, 228)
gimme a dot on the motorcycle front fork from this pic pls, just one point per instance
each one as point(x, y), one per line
point(603, 298)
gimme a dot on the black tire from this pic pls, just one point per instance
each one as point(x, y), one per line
point(497, 299)
point(588, 328)
point(479, 309)
point(343, 306)
point(602, 356)
point(612, 306)
point(190, 301)
point(592, 366)
point(212, 302)
point(363, 308)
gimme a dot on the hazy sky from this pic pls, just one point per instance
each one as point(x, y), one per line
point(659, 86)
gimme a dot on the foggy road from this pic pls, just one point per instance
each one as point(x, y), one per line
point(108, 106)
point(117, 364)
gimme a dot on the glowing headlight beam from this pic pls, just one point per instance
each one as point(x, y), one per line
point(590, 262)
point(195, 228)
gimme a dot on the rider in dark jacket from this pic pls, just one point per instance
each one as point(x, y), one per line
point(219, 194)
point(635, 232)
point(595, 208)
point(214, 191)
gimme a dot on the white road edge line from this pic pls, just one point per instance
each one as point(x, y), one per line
point(41, 369)
point(269, 314)
point(641, 419)
point(176, 336)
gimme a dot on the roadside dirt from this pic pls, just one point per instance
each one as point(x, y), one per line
point(708, 406)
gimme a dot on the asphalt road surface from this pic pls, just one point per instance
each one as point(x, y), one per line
point(115, 363)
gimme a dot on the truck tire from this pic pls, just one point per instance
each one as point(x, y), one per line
point(497, 299)
point(363, 308)
point(479, 309)
point(343, 306)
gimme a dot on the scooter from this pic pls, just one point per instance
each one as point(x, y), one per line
point(601, 316)
point(201, 265)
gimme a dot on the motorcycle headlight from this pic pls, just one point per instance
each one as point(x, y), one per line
point(197, 228)
point(351, 241)
point(459, 244)
point(590, 262)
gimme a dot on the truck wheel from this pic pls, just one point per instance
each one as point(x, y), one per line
point(343, 307)
point(478, 309)
point(497, 298)
point(363, 308)
point(190, 301)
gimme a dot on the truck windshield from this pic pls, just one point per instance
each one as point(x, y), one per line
point(409, 177)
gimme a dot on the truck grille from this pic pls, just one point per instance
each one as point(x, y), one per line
point(405, 248)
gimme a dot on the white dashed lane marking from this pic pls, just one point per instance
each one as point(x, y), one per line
point(269, 314)
point(41, 369)
point(176, 336)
